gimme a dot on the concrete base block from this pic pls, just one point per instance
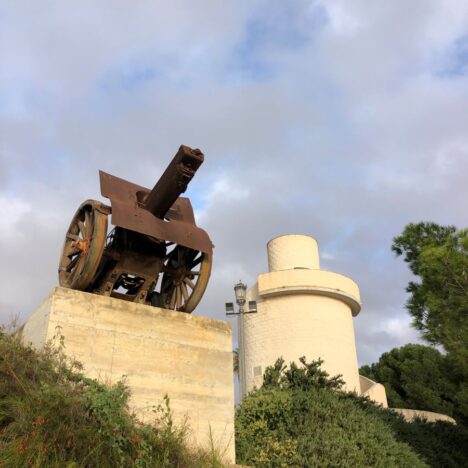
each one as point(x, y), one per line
point(159, 352)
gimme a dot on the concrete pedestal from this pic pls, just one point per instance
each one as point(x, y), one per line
point(160, 352)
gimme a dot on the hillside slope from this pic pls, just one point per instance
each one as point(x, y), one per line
point(52, 415)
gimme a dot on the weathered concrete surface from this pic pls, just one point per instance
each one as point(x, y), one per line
point(375, 391)
point(160, 352)
point(429, 416)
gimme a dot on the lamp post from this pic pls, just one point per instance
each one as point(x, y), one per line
point(240, 290)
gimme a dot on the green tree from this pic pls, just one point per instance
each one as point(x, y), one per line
point(438, 302)
point(415, 376)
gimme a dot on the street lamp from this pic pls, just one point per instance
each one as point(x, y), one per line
point(240, 290)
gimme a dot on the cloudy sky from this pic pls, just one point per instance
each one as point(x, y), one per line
point(342, 119)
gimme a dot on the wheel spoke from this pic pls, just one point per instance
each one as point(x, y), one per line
point(191, 269)
point(82, 228)
point(68, 247)
point(75, 251)
point(189, 282)
point(72, 264)
point(169, 254)
point(196, 261)
point(183, 287)
point(173, 298)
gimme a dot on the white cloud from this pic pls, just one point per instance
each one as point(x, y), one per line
point(332, 118)
point(12, 212)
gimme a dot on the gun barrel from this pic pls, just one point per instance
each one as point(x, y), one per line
point(174, 181)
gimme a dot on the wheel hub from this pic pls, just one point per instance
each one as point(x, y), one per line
point(81, 245)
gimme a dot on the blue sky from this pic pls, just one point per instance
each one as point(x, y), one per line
point(340, 119)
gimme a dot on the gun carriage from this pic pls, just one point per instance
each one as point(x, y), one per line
point(155, 254)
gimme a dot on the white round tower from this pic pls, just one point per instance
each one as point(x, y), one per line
point(301, 311)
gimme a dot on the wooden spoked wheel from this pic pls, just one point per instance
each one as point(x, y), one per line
point(185, 276)
point(83, 247)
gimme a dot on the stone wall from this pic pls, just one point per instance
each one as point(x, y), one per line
point(429, 416)
point(375, 391)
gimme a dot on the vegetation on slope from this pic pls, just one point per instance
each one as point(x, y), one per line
point(52, 415)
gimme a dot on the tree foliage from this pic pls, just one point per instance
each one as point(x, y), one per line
point(439, 444)
point(417, 377)
point(438, 302)
point(300, 377)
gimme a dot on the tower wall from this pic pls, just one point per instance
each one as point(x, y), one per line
point(292, 251)
point(302, 311)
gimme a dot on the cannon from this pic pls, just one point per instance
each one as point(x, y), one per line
point(155, 254)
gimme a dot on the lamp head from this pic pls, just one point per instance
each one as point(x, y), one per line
point(240, 289)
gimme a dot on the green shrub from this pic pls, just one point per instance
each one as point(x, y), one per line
point(314, 427)
point(308, 375)
point(437, 443)
point(52, 415)
point(299, 419)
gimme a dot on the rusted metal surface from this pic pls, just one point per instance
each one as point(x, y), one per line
point(83, 246)
point(173, 182)
point(155, 254)
point(128, 212)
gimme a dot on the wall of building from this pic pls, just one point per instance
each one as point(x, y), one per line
point(298, 325)
point(375, 391)
point(160, 352)
point(301, 311)
point(293, 251)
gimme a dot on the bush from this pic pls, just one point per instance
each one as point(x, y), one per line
point(315, 427)
point(299, 419)
point(52, 415)
point(437, 443)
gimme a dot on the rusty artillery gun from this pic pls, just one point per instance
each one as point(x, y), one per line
point(154, 255)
